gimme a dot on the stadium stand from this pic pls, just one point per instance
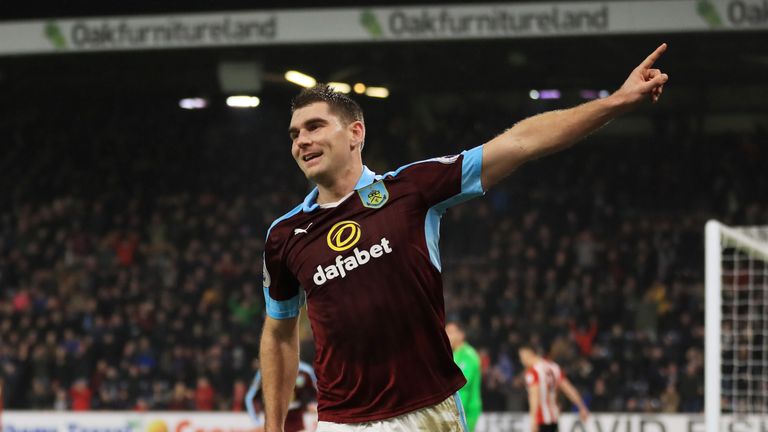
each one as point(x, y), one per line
point(130, 254)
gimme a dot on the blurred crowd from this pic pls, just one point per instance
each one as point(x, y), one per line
point(130, 256)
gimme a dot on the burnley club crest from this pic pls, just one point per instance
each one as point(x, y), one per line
point(374, 195)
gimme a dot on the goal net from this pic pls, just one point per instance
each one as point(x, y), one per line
point(736, 367)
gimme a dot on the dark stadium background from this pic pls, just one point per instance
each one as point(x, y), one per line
point(97, 157)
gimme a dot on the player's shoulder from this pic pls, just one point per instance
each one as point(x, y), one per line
point(472, 351)
point(531, 376)
point(556, 368)
point(431, 163)
point(283, 224)
point(541, 367)
point(552, 365)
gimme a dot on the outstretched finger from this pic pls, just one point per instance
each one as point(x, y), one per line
point(651, 59)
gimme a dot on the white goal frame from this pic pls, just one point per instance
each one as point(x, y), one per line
point(716, 236)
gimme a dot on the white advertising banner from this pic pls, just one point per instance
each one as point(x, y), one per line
point(123, 421)
point(380, 24)
point(42, 421)
point(514, 422)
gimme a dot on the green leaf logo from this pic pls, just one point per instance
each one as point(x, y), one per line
point(53, 33)
point(708, 12)
point(371, 24)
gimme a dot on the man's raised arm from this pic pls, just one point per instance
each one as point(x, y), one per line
point(552, 131)
point(279, 359)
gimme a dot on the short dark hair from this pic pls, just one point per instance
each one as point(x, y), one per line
point(338, 103)
point(527, 346)
point(455, 321)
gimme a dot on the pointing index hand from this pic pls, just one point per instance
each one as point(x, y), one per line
point(653, 57)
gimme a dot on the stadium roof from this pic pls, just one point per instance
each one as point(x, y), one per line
point(74, 8)
point(724, 70)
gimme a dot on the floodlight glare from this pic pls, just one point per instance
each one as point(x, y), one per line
point(299, 78)
point(377, 92)
point(243, 101)
point(549, 94)
point(193, 103)
point(341, 87)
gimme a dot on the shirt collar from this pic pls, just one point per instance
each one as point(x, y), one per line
point(366, 178)
point(310, 201)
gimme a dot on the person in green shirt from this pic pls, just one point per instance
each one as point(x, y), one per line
point(469, 362)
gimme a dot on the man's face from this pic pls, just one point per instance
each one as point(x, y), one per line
point(526, 357)
point(455, 335)
point(322, 145)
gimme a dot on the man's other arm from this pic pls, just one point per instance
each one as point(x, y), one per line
point(573, 395)
point(279, 357)
point(553, 131)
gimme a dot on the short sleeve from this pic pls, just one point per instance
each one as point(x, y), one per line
point(531, 378)
point(449, 180)
point(282, 294)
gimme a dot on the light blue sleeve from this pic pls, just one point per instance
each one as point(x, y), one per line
point(278, 280)
point(250, 396)
point(284, 309)
point(471, 185)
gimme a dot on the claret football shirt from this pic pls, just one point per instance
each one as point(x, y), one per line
point(369, 271)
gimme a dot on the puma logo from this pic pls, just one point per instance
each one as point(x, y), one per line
point(297, 231)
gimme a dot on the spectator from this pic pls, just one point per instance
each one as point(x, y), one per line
point(584, 337)
point(180, 398)
point(670, 400)
point(691, 390)
point(144, 277)
point(61, 403)
point(204, 395)
point(80, 395)
point(600, 401)
point(238, 396)
point(41, 397)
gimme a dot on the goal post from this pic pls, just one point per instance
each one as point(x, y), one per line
point(736, 322)
point(712, 319)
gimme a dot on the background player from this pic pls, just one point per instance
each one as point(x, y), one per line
point(543, 379)
point(468, 361)
point(304, 397)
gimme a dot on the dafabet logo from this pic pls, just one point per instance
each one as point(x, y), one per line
point(343, 236)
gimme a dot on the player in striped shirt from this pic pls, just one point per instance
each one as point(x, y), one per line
point(362, 252)
point(544, 378)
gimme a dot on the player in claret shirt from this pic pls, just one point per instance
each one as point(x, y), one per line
point(362, 251)
point(303, 399)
